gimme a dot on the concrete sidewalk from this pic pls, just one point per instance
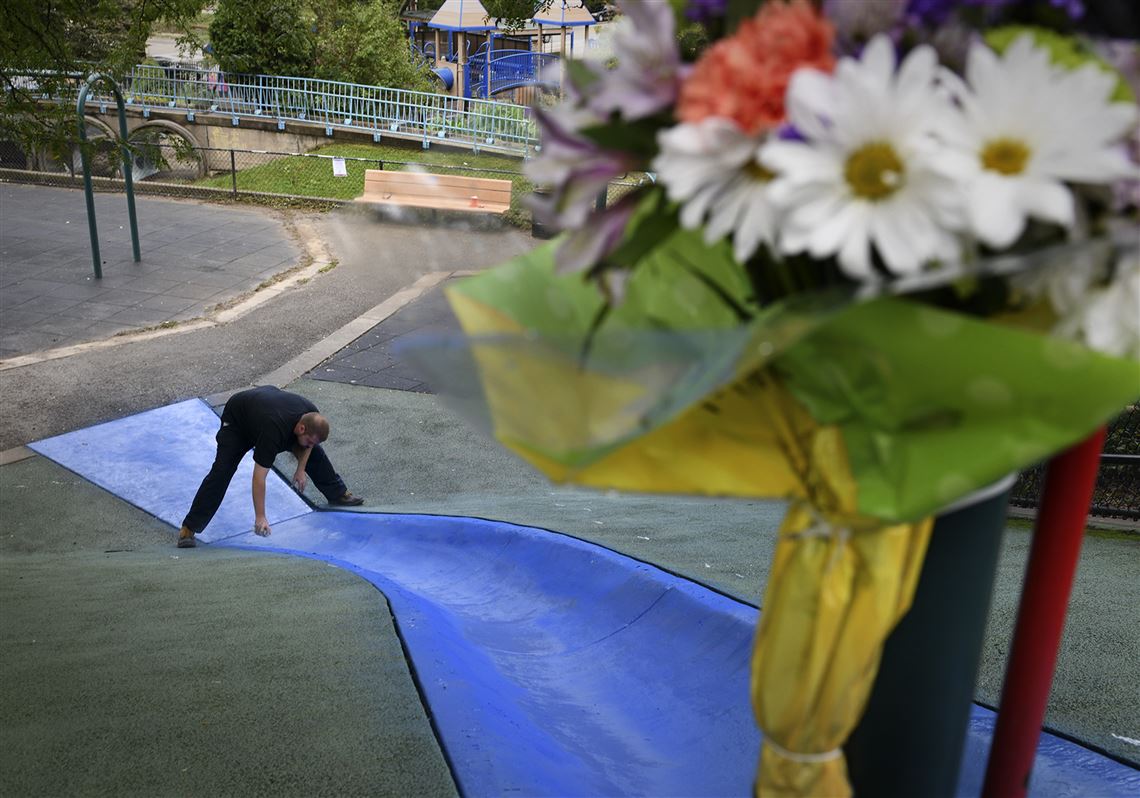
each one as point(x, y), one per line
point(128, 666)
point(195, 258)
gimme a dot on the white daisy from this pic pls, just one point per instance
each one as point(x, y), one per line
point(1108, 318)
point(869, 171)
point(1026, 128)
point(1067, 279)
point(711, 167)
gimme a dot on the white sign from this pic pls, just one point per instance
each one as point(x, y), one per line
point(339, 169)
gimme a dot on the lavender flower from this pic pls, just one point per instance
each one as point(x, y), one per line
point(649, 71)
point(703, 10)
point(857, 21)
point(932, 13)
point(597, 238)
point(1074, 8)
point(576, 169)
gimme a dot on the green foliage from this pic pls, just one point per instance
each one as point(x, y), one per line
point(71, 39)
point(354, 41)
point(364, 42)
point(740, 10)
point(270, 37)
point(514, 14)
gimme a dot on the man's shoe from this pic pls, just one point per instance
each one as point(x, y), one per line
point(188, 542)
point(347, 500)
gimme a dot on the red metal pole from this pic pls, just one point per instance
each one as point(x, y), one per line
point(1065, 499)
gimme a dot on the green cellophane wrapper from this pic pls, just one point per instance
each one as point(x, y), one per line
point(932, 405)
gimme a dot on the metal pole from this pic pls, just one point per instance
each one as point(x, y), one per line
point(233, 171)
point(87, 190)
point(128, 175)
point(1065, 499)
point(86, 161)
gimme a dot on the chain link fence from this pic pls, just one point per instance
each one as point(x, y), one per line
point(171, 169)
point(1117, 493)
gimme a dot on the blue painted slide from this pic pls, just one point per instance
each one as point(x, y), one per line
point(552, 666)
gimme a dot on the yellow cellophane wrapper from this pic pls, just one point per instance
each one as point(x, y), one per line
point(838, 585)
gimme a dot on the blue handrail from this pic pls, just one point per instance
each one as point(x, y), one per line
point(509, 70)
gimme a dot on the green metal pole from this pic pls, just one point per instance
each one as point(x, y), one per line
point(87, 181)
point(128, 172)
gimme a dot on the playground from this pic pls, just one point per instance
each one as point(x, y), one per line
point(711, 522)
point(254, 671)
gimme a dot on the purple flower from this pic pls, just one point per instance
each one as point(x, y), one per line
point(600, 236)
point(702, 10)
point(857, 21)
point(574, 167)
point(1074, 8)
point(648, 73)
point(936, 12)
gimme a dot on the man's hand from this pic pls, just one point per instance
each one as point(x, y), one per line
point(299, 480)
point(261, 525)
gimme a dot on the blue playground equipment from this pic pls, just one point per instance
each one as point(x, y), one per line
point(551, 666)
point(507, 70)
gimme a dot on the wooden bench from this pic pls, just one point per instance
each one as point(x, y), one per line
point(438, 192)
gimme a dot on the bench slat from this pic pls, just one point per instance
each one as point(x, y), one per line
point(445, 192)
point(421, 178)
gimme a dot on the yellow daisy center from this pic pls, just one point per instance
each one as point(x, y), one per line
point(757, 172)
point(874, 171)
point(1007, 156)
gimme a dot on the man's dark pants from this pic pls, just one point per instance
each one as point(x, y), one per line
point(232, 446)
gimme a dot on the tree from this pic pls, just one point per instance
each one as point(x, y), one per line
point(269, 37)
point(50, 47)
point(363, 41)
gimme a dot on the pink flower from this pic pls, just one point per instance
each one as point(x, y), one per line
point(745, 77)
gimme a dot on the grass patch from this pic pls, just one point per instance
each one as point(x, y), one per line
point(1091, 529)
point(307, 176)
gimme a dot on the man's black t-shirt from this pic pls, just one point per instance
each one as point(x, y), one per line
point(266, 416)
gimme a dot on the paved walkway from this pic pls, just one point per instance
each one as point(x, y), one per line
point(369, 360)
point(194, 258)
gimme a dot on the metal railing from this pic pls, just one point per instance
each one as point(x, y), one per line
point(332, 104)
point(509, 70)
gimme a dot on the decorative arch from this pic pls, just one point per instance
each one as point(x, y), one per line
point(106, 164)
point(144, 163)
point(105, 130)
point(180, 130)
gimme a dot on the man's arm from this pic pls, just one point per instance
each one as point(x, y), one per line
point(260, 522)
point(299, 474)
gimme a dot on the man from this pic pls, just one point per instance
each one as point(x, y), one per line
point(269, 421)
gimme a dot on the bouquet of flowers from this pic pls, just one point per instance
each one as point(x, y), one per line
point(889, 255)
